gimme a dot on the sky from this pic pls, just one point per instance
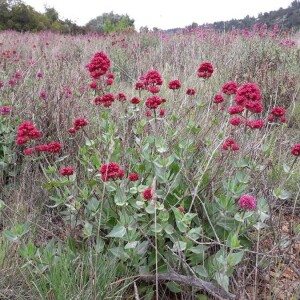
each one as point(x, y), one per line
point(163, 14)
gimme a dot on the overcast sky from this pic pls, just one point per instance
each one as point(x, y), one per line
point(164, 14)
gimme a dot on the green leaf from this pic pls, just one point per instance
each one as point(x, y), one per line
point(281, 194)
point(286, 168)
point(141, 249)
point(188, 217)
point(195, 233)
point(156, 227)
point(223, 280)
point(61, 159)
point(119, 252)
point(88, 229)
point(199, 249)
point(118, 231)
point(10, 235)
point(27, 251)
point(169, 229)
point(233, 241)
point(179, 246)
point(131, 245)
point(173, 287)
point(234, 258)
point(120, 197)
point(93, 204)
point(150, 209)
point(163, 215)
point(201, 270)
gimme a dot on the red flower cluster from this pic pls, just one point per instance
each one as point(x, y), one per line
point(111, 171)
point(256, 124)
point(67, 171)
point(27, 131)
point(99, 65)
point(230, 144)
point(277, 114)
point(153, 102)
point(4, 110)
point(296, 150)
point(205, 70)
point(162, 112)
point(236, 121)
point(153, 78)
point(41, 148)
point(174, 84)
point(140, 86)
point(133, 177)
point(121, 97)
point(234, 110)
point(153, 89)
point(247, 94)
point(247, 202)
point(230, 88)
point(218, 98)
point(135, 100)
point(190, 92)
point(148, 194)
point(54, 147)
point(106, 100)
point(80, 122)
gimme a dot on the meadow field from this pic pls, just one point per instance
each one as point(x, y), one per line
point(150, 165)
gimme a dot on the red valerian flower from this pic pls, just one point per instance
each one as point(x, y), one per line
point(190, 92)
point(174, 84)
point(153, 89)
point(148, 113)
point(67, 171)
point(278, 111)
point(93, 85)
point(148, 194)
point(41, 148)
point(99, 65)
point(296, 150)
point(111, 171)
point(106, 100)
point(27, 131)
point(78, 123)
point(256, 124)
point(234, 110)
point(181, 208)
point(205, 70)
point(17, 75)
point(140, 86)
point(4, 110)
point(248, 92)
point(247, 202)
point(230, 88)
point(283, 119)
point(236, 121)
point(218, 98)
point(121, 97)
point(43, 95)
point(135, 100)
point(110, 76)
point(271, 119)
point(109, 81)
point(153, 102)
point(153, 78)
point(162, 112)
point(72, 130)
point(54, 147)
point(133, 177)
point(28, 151)
point(254, 107)
point(230, 144)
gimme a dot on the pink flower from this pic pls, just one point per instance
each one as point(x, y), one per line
point(148, 194)
point(41, 148)
point(236, 121)
point(190, 92)
point(247, 202)
point(148, 113)
point(80, 122)
point(174, 84)
point(54, 147)
point(153, 102)
point(153, 78)
point(230, 144)
point(162, 112)
point(278, 111)
point(256, 124)
point(93, 85)
point(235, 110)
point(230, 88)
point(218, 98)
point(4, 110)
point(99, 65)
point(296, 150)
point(205, 70)
point(67, 171)
point(153, 89)
point(133, 177)
point(28, 151)
point(39, 75)
point(135, 100)
point(121, 97)
point(111, 171)
point(43, 95)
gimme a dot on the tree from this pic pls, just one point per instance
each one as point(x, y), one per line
point(110, 22)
